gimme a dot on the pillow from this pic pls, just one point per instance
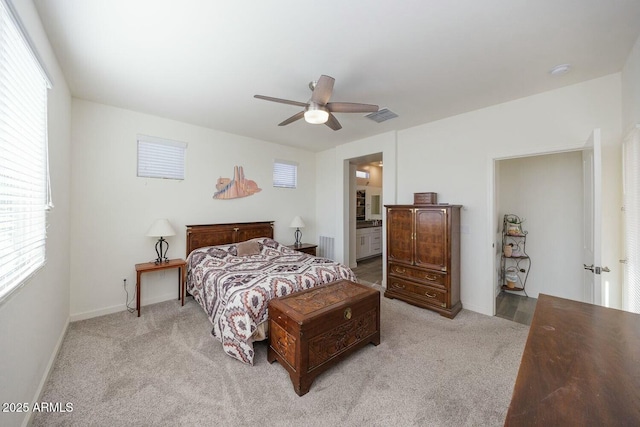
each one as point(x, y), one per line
point(250, 247)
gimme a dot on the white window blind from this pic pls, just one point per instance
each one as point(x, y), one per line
point(24, 185)
point(362, 174)
point(160, 158)
point(631, 188)
point(285, 174)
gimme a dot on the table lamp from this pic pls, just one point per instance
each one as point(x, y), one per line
point(161, 228)
point(297, 223)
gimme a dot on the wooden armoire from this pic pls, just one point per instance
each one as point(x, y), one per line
point(423, 256)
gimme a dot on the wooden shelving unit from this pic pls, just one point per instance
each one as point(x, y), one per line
point(360, 205)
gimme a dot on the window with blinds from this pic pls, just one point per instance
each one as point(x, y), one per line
point(631, 188)
point(285, 174)
point(24, 184)
point(160, 158)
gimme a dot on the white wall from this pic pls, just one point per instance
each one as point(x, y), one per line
point(547, 192)
point(631, 89)
point(454, 157)
point(34, 318)
point(113, 208)
point(630, 105)
point(326, 166)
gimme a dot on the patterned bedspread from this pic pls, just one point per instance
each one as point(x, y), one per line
point(235, 291)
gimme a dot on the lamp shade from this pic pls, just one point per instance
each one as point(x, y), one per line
point(297, 223)
point(160, 228)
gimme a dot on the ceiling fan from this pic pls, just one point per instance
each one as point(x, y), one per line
point(319, 110)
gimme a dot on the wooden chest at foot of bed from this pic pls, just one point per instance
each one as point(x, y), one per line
point(311, 330)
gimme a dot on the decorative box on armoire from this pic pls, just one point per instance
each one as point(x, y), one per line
point(423, 256)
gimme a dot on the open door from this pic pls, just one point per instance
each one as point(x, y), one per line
point(592, 234)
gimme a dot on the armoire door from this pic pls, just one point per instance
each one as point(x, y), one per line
point(431, 245)
point(399, 235)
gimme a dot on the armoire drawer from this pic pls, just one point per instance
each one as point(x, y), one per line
point(424, 293)
point(428, 277)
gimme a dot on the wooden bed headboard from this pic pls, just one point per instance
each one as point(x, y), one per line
point(199, 236)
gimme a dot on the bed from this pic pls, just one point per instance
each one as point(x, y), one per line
point(233, 270)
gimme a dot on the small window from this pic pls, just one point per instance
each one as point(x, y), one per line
point(285, 174)
point(160, 158)
point(362, 174)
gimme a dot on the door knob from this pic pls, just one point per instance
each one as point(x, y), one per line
point(596, 270)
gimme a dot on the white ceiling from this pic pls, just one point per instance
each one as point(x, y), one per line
point(201, 62)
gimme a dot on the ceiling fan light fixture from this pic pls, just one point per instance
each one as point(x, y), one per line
point(316, 114)
point(318, 110)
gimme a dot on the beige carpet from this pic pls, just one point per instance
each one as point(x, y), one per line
point(165, 369)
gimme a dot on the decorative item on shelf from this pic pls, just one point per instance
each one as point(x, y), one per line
point(297, 223)
point(425, 198)
point(514, 225)
point(161, 228)
point(511, 276)
point(508, 250)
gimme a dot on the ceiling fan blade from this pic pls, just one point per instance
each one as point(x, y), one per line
point(323, 90)
point(280, 100)
point(293, 118)
point(351, 107)
point(333, 123)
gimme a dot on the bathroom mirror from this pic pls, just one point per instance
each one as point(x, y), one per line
point(375, 205)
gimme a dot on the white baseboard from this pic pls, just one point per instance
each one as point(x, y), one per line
point(117, 308)
point(477, 309)
point(47, 373)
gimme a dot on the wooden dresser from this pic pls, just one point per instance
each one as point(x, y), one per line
point(580, 367)
point(423, 256)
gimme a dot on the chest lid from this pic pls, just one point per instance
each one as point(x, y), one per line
point(311, 303)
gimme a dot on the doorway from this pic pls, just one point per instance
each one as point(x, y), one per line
point(366, 217)
point(547, 192)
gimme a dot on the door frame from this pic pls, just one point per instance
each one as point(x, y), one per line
point(592, 281)
point(493, 220)
point(383, 143)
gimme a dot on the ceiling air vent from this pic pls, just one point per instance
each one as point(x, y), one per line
point(382, 115)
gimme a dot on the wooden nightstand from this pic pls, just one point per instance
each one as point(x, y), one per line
point(180, 264)
point(307, 248)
